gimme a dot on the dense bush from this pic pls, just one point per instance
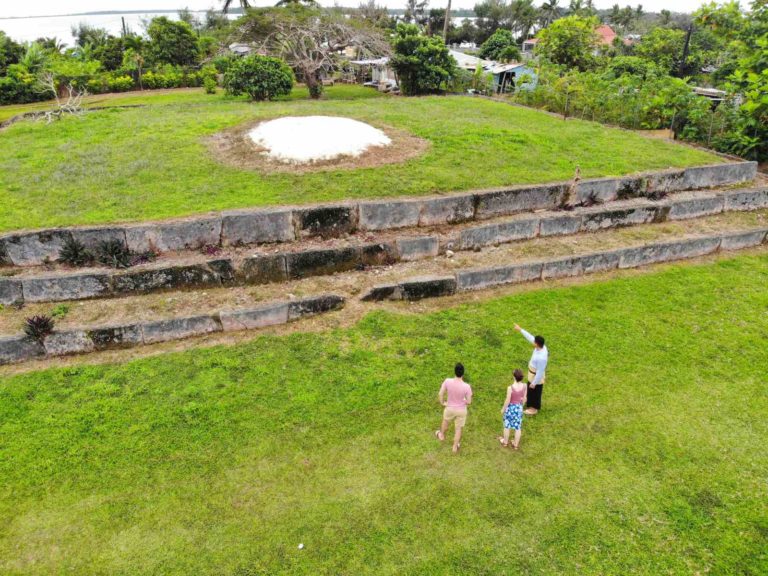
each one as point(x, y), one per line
point(261, 77)
point(20, 87)
point(120, 84)
point(423, 63)
point(172, 42)
point(499, 41)
point(569, 42)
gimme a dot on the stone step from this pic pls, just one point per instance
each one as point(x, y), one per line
point(20, 348)
point(291, 224)
point(186, 271)
point(567, 266)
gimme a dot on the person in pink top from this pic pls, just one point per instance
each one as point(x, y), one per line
point(455, 395)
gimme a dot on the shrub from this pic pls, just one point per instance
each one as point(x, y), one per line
point(499, 41)
point(38, 327)
point(423, 63)
point(74, 253)
point(20, 87)
point(509, 54)
point(210, 85)
point(261, 77)
point(120, 84)
point(114, 253)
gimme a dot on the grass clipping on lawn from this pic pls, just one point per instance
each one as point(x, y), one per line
point(309, 143)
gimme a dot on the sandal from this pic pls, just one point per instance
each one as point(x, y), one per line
point(438, 435)
point(501, 441)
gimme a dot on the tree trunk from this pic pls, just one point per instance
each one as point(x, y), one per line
point(314, 84)
point(447, 20)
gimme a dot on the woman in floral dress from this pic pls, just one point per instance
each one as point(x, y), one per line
point(512, 412)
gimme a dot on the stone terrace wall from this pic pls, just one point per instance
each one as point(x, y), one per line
point(577, 265)
point(258, 226)
point(284, 266)
point(79, 341)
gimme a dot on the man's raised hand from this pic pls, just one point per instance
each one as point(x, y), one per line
point(517, 327)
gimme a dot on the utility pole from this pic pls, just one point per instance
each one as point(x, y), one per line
point(686, 49)
point(124, 31)
point(447, 20)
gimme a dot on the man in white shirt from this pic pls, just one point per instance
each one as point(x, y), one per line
point(537, 367)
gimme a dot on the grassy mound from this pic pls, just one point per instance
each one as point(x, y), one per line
point(649, 456)
point(153, 162)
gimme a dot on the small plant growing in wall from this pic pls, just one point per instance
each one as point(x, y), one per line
point(114, 253)
point(38, 327)
point(74, 253)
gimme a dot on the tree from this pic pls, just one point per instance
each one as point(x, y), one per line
point(422, 63)
point(172, 42)
point(663, 46)
point(10, 52)
point(415, 11)
point(549, 12)
point(110, 54)
point(261, 77)
point(570, 42)
point(244, 4)
point(310, 39)
point(496, 44)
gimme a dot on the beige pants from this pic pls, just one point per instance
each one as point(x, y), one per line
point(457, 415)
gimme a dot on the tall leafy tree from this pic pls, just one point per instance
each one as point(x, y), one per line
point(422, 63)
point(570, 42)
point(172, 42)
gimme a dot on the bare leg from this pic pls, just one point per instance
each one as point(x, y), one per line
point(457, 438)
point(505, 440)
point(517, 438)
point(440, 434)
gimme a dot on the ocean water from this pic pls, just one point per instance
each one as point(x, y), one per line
point(28, 29)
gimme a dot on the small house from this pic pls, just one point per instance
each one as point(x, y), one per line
point(513, 77)
point(469, 62)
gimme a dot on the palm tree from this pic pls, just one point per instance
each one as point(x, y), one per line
point(550, 11)
point(227, 3)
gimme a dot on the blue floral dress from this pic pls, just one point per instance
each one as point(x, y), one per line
point(513, 417)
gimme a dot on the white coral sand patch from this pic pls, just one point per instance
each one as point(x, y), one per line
point(304, 139)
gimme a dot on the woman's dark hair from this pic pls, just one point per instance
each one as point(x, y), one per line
point(539, 340)
point(459, 370)
point(518, 374)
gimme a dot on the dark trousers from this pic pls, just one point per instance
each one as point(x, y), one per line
point(534, 397)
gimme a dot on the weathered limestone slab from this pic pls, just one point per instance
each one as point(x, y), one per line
point(746, 199)
point(165, 278)
point(224, 268)
point(448, 210)
point(701, 205)
point(10, 291)
point(19, 349)
point(91, 238)
point(326, 221)
point(560, 225)
point(600, 219)
point(383, 292)
point(76, 286)
point(314, 305)
point(600, 262)
point(486, 277)
point(719, 174)
point(427, 287)
point(664, 252)
point(562, 268)
point(263, 269)
point(665, 181)
point(418, 248)
point(381, 254)
point(109, 337)
point(739, 240)
point(503, 202)
point(5, 260)
point(269, 315)
point(498, 233)
point(597, 190)
point(257, 226)
point(176, 235)
point(631, 187)
point(69, 342)
point(386, 215)
point(322, 262)
point(178, 328)
point(35, 248)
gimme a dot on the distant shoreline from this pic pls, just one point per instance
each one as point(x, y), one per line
point(111, 12)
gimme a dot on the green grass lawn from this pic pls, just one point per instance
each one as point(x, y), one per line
point(649, 457)
point(152, 162)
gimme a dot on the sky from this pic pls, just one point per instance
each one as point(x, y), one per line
point(51, 7)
